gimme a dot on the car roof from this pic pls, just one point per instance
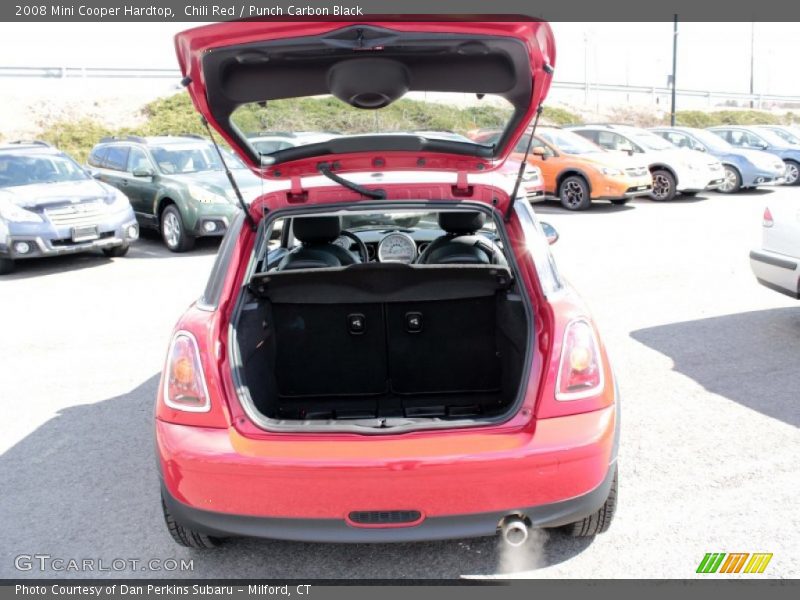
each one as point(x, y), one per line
point(29, 147)
point(160, 140)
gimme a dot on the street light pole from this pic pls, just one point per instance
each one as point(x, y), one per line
point(752, 61)
point(674, 68)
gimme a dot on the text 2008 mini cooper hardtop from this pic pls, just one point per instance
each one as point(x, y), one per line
point(385, 350)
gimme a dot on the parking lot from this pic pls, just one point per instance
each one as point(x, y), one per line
point(706, 360)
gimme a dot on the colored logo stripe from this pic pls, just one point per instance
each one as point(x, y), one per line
point(710, 562)
point(713, 562)
point(734, 562)
point(758, 563)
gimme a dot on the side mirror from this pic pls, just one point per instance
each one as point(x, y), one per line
point(143, 172)
point(550, 233)
point(627, 150)
point(539, 151)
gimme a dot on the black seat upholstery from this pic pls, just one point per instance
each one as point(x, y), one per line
point(316, 250)
point(461, 245)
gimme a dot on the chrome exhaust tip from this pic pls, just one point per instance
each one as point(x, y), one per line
point(514, 531)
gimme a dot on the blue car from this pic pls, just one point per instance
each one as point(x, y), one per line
point(760, 137)
point(790, 135)
point(744, 168)
point(49, 205)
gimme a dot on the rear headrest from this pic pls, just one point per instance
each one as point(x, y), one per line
point(461, 222)
point(317, 230)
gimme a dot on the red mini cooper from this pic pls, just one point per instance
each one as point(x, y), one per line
point(385, 350)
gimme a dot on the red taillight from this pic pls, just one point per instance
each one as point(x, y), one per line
point(767, 222)
point(184, 383)
point(580, 374)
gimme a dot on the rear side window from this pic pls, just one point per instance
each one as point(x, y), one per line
point(537, 245)
point(589, 135)
point(97, 155)
point(117, 158)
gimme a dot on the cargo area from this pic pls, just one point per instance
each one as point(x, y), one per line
point(382, 342)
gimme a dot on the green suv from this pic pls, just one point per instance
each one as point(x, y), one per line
point(176, 185)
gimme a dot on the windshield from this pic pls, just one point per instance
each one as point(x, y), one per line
point(28, 169)
point(651, 141)
point(191, 158)
point(405, 220)
point(711, 140)
point(769, 136)
point(786, 136)
point(568, 142)
point(277, 125)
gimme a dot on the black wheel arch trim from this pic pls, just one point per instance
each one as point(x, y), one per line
point(568, 172)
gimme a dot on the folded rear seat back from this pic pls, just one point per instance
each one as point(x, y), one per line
point(323, 352)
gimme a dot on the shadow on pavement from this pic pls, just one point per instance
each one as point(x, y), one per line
point(600, 207)
point(84, 485)
point(750, 358)
point(148, 246)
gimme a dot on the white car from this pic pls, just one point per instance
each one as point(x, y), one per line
point(674, 170)
point(776, 264)
point(269, 142)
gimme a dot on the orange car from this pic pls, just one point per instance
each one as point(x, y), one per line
point(576, 171)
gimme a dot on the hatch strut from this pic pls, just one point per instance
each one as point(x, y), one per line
point(325, 169)
point(523, 164)
point(227, 170)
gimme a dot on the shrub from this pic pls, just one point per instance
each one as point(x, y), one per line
point(553, 115)
point(76, 138)
point(697, 118)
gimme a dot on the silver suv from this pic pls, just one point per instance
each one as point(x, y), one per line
point(49, 205)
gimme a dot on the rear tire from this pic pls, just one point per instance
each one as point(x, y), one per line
point(731, 182)
point(173, 231)
point(792, 172)
point(184, 536)
point(6, 266)
point(600, 521)
point(574, 193)
point(620, 201)
point(116, 251)
point(663, 186)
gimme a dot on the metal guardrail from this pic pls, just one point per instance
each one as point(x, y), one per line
point(587, 88)
point(89, 72)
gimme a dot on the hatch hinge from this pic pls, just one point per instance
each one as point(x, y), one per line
point(462, 187)
point(296, 193)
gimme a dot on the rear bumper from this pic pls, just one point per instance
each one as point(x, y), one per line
point(462, 484)
point(777, 272)
point(340, 530)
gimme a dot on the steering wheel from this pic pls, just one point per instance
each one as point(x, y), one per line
point(362, 247)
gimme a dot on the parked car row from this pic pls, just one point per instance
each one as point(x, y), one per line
point(176, 185)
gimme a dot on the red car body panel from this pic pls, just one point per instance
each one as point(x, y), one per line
point(437, 474)
point(546, 452)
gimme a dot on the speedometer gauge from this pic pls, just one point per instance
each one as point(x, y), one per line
point(397, 247)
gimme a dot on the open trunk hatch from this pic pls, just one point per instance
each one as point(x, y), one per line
point(366, 66)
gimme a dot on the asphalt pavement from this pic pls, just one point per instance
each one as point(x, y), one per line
point(707, 362)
